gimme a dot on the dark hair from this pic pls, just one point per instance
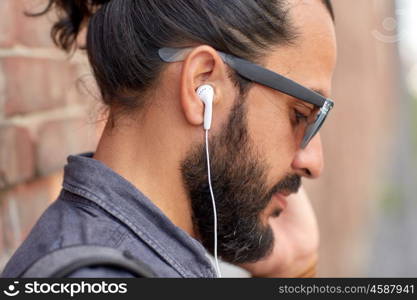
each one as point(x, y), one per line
point(124, 35)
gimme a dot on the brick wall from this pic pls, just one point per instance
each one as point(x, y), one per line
point(46, 113)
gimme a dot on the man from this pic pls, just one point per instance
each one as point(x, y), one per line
point(146, 188)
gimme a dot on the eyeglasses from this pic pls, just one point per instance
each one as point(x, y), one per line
point(258, 74)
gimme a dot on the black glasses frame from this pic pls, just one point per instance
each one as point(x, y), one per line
point(261, 75)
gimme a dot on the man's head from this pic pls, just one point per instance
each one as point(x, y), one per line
point(256, 157)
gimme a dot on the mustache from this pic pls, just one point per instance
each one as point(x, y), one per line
point(289, 184)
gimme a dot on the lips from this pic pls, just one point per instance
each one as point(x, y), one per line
point(281, 198)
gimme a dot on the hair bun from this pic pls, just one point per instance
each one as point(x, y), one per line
point(73, 16)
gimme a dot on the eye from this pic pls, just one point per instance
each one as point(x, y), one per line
point(300, 117)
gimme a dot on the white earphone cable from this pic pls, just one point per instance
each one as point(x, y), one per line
point(214, 207)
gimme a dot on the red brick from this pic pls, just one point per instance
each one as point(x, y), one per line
point(17, 28)
point(33, 31)
point(58, 139)
point(7, 23)
point(2, 92)
point(21, 207)
point(34, 84)
point(3, 249)
point(10, 222)
point(16, 155)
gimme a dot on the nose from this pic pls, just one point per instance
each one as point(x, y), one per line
point(308, 162)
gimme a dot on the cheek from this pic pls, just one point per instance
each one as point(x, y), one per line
point(271, 134)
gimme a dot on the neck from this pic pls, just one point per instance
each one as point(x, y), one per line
point(145, 156)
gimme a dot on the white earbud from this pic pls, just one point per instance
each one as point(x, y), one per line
point(206, 94)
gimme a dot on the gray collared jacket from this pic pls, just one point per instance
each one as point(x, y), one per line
point(99, 207)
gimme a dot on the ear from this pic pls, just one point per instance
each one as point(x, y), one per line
point(203, 65)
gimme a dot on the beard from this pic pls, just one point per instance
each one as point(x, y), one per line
point(239, 182)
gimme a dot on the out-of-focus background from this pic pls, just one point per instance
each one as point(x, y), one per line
point(366, 201)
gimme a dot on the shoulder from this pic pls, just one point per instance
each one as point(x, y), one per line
point(70, 220)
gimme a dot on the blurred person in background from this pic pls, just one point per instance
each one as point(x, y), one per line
point(145, 189)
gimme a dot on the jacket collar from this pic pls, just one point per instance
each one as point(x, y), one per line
point(93, 180)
